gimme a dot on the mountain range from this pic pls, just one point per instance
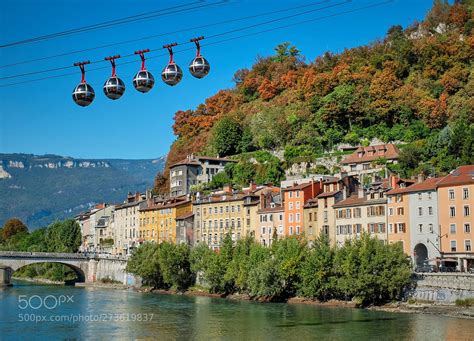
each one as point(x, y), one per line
point(39, 189)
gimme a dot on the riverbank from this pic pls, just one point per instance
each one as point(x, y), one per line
point(448, 310)
point(39, 280)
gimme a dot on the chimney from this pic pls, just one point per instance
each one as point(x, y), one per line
point(312, 188)
point(227, 189)
point(393, 181)
point(421, 178)
point(360, 192)
point(253, 186)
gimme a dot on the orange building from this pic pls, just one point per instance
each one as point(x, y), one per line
point(295, 198)
point(455, 205)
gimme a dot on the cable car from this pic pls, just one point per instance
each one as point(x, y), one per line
point(83, 94)
point(114, 87)
point(172, 73)
point(199, 66)
point(143, 80)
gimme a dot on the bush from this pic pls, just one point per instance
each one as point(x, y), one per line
point(466, 303)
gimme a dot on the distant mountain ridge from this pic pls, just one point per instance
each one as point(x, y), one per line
point(42, 188)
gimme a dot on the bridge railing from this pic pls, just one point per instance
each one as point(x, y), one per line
point(50, 255)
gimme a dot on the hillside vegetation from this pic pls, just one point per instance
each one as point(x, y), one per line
point(415, 86)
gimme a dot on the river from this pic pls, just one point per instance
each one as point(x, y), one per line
point(129, 315)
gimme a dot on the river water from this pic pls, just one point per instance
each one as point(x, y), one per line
point(47, 312)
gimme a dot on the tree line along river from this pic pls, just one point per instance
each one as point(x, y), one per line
point(50, 312)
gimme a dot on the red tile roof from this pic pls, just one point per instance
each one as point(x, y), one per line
point(327, 194)
point(354, 200)
point(185, 216)
point(390, 152)
point(429, 184)
point(462, 175)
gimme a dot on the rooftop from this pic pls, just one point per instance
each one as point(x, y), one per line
point(371, 153)
point(429, 184)
point(462, 175)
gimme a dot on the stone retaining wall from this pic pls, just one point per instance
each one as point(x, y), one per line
point(443, 287)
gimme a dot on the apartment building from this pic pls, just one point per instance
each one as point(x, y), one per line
point(333, 191)
point(126, 223)
point(270, 222)
point(455, 204)
point(158, 220)
point(295, 198)
point(194, 170)
point(310, 220)
point(363, 160)
point(364, 211)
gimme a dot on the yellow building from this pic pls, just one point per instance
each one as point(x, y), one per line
point(310, 220)
point(224, 212)
point(158, 219)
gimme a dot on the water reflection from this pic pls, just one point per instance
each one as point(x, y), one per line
point(203, 318)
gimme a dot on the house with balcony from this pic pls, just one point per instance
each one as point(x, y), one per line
point(370, 160)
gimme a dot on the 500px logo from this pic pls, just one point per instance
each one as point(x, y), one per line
point(49, 302)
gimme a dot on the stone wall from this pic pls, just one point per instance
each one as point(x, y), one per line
point(443, 287)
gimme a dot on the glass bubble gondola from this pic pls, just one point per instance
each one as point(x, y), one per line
point(172, 73)
point(199, 66)
point(143, 80)
point(83, 94)
point(114, 87)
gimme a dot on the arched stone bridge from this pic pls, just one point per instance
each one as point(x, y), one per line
point(88, 267)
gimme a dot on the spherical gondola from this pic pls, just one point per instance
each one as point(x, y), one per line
point(172, 74)
point(114, 88)
point(143, 81)
point(199, 67)
point(83, 94)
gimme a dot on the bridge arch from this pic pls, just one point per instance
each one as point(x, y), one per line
point(80, 273)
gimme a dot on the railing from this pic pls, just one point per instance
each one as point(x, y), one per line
point(57, 255)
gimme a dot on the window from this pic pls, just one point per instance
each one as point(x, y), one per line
point(232, 209)
point(358, 227)
point(467, 245)
point(365, 166)
point(297, 205)
point(452, 211)
point(280, 217)
point(400, 210)
point(467, 228)
point(290, 194)
point(430, 228)
point(467, 211)
point(452, 228)
point(310, 216)
point(297, 217)
point(430, 210)
point(221, 210)
point(297, 194)
point(465, 193)
point(290, 218)
point(325, 216)
point(420, 196)
point(390, 228)
point(280, 229)
point(429, 195)
point(453, 246)
point(263, 230)
point(420, 228)
point(357, 212)
point(420, 211)
point(451, 194)
point(297, 230)
point(291, 230)
point(290, 206)
point(215, 209)
point(390, 211)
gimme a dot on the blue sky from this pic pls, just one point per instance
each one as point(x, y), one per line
point(40, 117)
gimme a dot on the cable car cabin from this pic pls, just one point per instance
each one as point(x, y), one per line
point(114, 88)
point(83, 94)
point(143, 81)
point(172, 74)
point(199, 67)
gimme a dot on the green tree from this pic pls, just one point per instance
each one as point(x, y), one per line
point(144, 262)
point(318, 278)
point(226, 135)
point(63, 236)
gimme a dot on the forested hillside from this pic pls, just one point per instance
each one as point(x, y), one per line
point(414, 86)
